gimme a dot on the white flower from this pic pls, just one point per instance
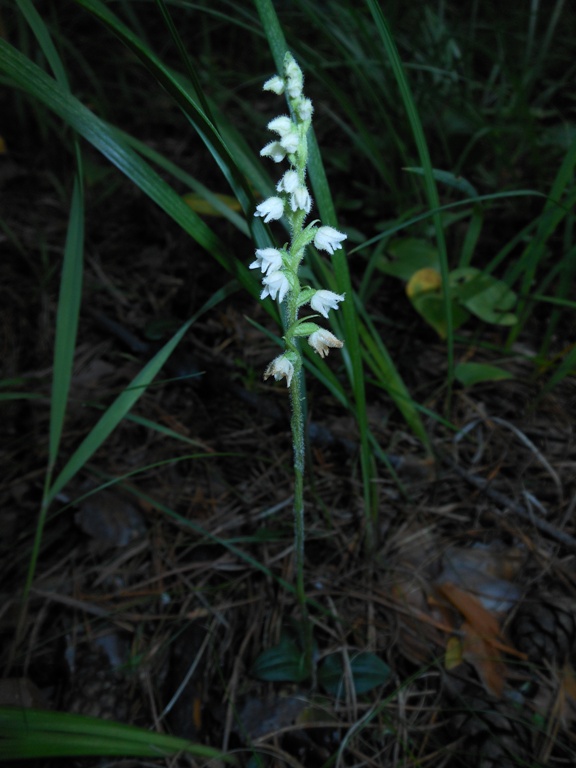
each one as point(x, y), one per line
point(281, 125)
point(290, 141)
point(294, 79)
point(305, 109)
point(321, 340)
point(280, 368)
point(275, 284)
point(274, 84)
point(270, 209)
point(267, 259)
point(323, 301)
point(300, 198)
point(288, 182)
point(328, 239)
point(274, 150)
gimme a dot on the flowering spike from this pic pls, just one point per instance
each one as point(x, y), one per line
point(279, 267)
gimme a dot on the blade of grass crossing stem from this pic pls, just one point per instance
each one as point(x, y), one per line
point(352, 353)
point(425, 162)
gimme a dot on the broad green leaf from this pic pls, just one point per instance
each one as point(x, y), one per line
point(483, 295)
point(284, 662)
point(469, 374)
point(409, 255)
point(368, 672)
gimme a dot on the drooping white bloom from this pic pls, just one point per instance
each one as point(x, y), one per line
point(275, 285)
point(288, 182)
point(305, 109)
point(321, 340)
point(267, 260)
point(323, 301)
point(274, 150)
point(328, 239)
point(280, 368)
point(270, 209)
point(290, 141)
point(281, 125)
point(274, 84)
point(300, 199)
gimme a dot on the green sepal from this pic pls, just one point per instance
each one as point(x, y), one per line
point(305, 329)
point(305, 237)
point(305, 296)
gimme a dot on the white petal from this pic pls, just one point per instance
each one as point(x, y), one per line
point(276, 285)
point(281, 125)
point(288, 182)
point(267, 260)
point(305, 109)
point(270, 209)
point(301, 199)
point(280, 368)
point(274, 150)
point(328, 239)
point(274, 84)
point(290, 142)
point(322, 340)
point(323, 301)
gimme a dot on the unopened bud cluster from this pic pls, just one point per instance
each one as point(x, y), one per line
point(279, 266)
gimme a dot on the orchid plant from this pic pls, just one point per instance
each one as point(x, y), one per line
point(280, 267)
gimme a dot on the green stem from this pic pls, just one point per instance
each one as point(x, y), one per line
point(297, 427)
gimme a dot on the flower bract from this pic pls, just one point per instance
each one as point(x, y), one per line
point(328, 239)
point(322, 340)
point(323, 301)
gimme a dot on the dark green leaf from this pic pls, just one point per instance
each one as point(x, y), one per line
point(368, 671)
